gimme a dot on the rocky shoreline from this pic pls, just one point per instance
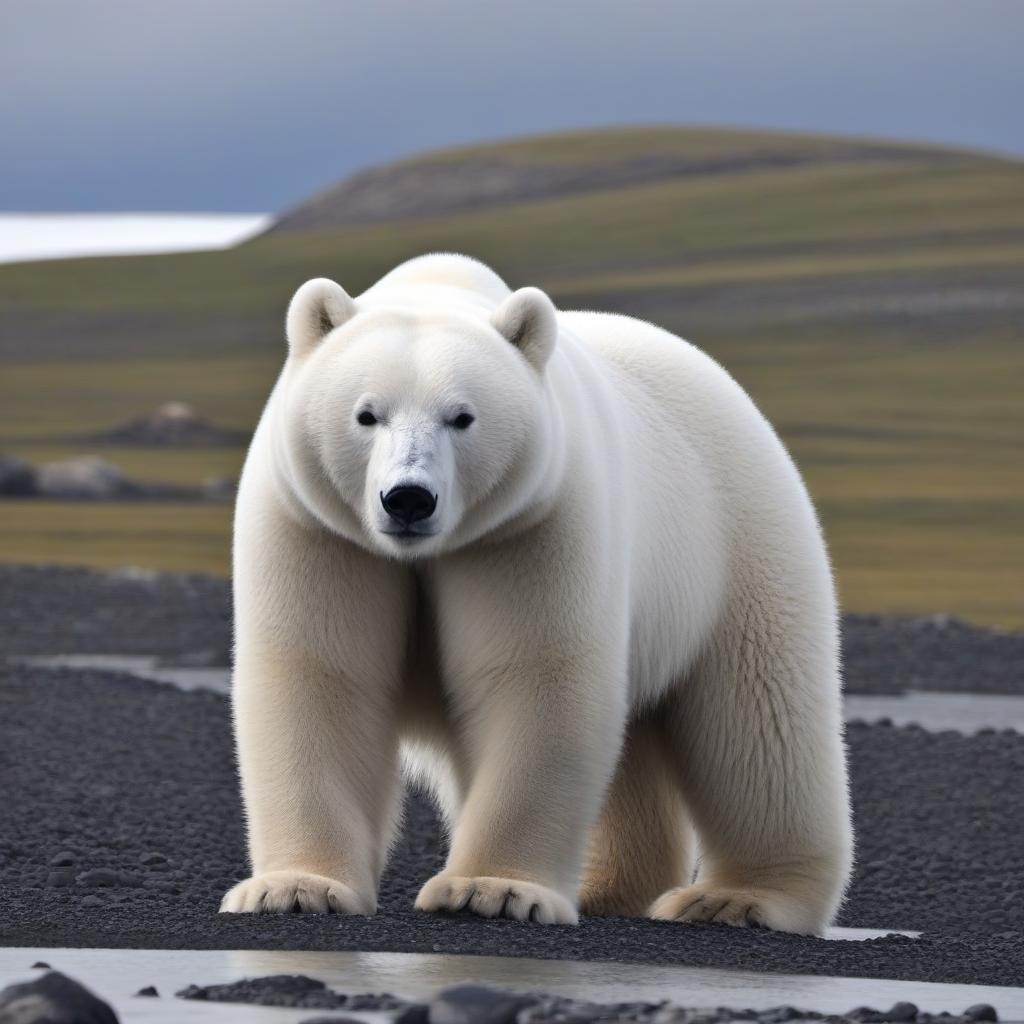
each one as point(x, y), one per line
point(56, 997)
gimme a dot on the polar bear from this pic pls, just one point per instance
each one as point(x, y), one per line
point(558, 568)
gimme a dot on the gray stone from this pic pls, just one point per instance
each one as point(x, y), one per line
point(53, 999)
point(981, 1011)
point(414, 1013)
point(100, 877)
point(476, 1004)
point(88, 477)
point(902, 1012)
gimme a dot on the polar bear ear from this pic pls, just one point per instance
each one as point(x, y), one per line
point(527, 319)
point(316, 309)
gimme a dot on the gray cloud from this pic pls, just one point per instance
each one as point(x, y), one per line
point(232, 105)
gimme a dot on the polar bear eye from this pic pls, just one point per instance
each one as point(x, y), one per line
point(463, 420)
point(366, 418)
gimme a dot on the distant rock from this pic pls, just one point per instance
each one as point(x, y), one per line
point(88, 477)
point(17, 477)
point(220, 488)
point(172, 424)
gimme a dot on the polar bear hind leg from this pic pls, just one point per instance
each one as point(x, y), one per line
point(756, 738)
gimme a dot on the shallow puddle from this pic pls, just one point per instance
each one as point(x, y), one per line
point(961, 712)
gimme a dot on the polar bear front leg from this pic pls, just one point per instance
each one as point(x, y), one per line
point(319, 776)
point(320, 641)
point(541, 769)
point(539, 705)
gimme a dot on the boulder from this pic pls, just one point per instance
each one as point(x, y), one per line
point(88, 477)
point(53, 999)
point(173, 423)
point(476, 1004)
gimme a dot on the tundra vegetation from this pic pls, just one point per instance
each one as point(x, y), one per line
point(868, 296)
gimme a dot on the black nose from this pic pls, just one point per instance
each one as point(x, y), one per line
point(408, 504)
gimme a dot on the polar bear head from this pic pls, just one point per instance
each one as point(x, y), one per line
point(416, 427)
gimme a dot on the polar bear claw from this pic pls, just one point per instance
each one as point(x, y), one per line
point(280, 892)
point(496, 897)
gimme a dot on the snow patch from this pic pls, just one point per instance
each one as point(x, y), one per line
point(46, 236)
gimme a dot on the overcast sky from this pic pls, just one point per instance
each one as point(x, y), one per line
point(250, 105)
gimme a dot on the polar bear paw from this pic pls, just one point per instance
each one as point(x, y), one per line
point(496, 897)
point(741, 908)
point(284, 892)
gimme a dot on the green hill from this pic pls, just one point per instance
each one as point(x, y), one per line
point(869, 296)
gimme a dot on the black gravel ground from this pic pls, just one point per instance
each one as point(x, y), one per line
point(57, 610)
point(120, 826)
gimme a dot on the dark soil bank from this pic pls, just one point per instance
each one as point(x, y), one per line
point(120, 825)
point(50, 610)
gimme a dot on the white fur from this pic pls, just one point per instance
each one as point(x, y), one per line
point(620, 630)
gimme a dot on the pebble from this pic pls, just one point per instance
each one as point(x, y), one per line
point(149, 990)
point(780, 1014)
point(981, 1011)
point(414, 1013)
point(64, 859)
point(902, 1012)
point(106, 877)
point(92, 901)
point(476, 1004)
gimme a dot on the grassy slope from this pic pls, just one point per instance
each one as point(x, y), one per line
point(872, 308)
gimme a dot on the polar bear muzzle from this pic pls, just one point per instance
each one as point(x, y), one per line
point(407, 505)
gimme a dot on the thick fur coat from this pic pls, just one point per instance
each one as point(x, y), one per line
point(559, 569)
